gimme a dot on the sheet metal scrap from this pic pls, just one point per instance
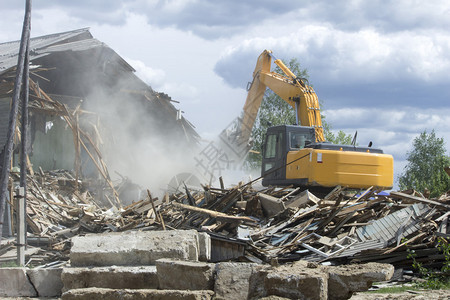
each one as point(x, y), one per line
point(340, 227)
point(274, 224)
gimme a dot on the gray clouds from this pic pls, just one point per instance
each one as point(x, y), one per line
point(213, 19)
point(362, 68)
point(380, 67)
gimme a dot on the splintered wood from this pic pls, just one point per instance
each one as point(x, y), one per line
point(274, 224)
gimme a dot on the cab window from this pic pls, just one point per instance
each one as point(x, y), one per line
point(297, 140)
point(271, 146)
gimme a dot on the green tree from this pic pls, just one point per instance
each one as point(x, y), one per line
point(275, 111)
point(339, 138)
point(425, 167)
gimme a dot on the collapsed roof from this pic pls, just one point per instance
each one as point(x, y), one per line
point(92, 80)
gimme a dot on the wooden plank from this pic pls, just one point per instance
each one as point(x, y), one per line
point(153, 205)
point(214, 213)
point(419, 199)
point(443, 226)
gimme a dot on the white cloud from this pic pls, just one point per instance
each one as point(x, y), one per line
point(380, 67)
point(157, 79)
point(408, 119)
point(153, 77)
point(391, 130)
point(188, 93)
point(364, 56)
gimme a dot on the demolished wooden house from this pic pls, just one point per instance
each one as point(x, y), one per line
point(82, 95)
point(265, 226)
point(86, 76)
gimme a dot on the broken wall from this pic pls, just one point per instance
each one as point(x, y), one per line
point(138, 130)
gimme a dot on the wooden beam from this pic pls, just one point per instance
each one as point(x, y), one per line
point(214, 213)
point(419, 199)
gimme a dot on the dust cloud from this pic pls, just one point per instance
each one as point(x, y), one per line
point(141, 140)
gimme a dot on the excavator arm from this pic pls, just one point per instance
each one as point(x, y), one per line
point(236, 137)
point(287, 161)
point(289, 87)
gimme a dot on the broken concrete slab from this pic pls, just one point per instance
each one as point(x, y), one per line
point(295, 281)
point(133, 248)
point(47, 282)
point(232, 279)
point(140, 294)
point(344, 280)
point(302, 199)
point(15, 283)
point(204, 246)
point(271, 205)
point(185, 275)
point(297, 286)
point(274, 298)
point(115, 277)
point(307, 280)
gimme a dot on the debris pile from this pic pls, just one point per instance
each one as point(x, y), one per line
point(344, 226)
point(274, 225)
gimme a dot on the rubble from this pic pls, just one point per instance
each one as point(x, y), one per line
point(340, 227)
point(118, 277)
point(134, 247)
point(18, 284)
point(173, 274)
point(335, 235)
point(113, 294)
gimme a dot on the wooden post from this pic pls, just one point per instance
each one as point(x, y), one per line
point(22, 233)
point(6, 164)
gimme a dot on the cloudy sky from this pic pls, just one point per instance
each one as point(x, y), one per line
point(379, 67)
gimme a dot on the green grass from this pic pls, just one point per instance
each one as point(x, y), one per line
point(9, 264)
point(395, 289)
point(410, 287)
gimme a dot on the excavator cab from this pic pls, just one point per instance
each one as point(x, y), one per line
point(278, 142)
point(291, 156)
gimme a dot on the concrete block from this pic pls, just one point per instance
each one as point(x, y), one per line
point(133, 248)
point(307, 280)
point(297, 286)
point(232, 279)
point(14, 282)
point(204, 246)
point(271, 205)
point(115, 277)
point(141, 294)
point(346, 279)
point(47, 282)
point(296, 281)
point(185, 275)
point(302, 199)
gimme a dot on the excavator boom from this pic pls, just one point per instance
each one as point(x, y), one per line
point(298, 155)
point(289, 87)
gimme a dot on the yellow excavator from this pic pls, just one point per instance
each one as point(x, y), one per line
point(298, 154)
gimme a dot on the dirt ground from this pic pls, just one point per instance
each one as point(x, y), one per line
point(416, 295)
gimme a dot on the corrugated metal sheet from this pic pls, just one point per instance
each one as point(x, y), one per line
point(394, 226)
point(360, 246)
point(4, 121)
point(72, 46)
point(388, 230)
point(76, 40)
point(9, 51)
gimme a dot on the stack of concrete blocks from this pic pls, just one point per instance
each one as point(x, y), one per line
point(108, 266)
point(174, 265)
point(24, 282)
